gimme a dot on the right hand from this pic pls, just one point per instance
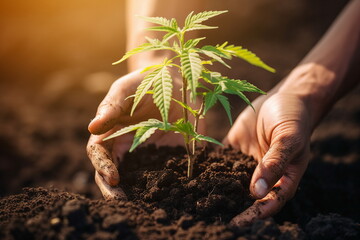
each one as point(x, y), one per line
point(113, 114)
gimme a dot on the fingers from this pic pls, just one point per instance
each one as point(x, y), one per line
point(101, 159)
point(283, 190)
point(270, 204)
point(114, 108)
point(271, 168)
point(107, 191)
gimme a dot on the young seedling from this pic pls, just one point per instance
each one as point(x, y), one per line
point(198, 80)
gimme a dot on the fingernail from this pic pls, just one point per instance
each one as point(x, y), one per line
point(260, 188)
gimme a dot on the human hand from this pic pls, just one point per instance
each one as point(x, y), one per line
point(113, 114)
point(277, 135)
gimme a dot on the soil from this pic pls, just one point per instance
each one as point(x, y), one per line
point(217, 191)
point(164, 204)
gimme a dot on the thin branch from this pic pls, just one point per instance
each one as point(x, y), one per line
point(196, 123)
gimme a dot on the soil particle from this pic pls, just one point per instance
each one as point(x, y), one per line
point(160, 216)
point(186, 221)
point(74, 212)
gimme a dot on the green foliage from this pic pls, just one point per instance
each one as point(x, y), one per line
point(238, 51)
point(191, 68)
point(163, 92)
point(193, 22)
point(198, 81)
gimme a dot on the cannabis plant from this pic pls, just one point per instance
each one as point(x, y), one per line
point(199, 82)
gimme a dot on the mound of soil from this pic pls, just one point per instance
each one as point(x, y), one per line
point(218, 191)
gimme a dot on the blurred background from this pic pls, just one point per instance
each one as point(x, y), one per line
point(56, 67)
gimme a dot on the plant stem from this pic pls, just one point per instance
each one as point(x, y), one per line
point(186, 136)
point(196, 123)
point(190, 163)
point(184, 100)
point(186, 118)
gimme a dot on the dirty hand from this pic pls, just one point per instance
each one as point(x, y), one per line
point(113, 114)
point(277, 135)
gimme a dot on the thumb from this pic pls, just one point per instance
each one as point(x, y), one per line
point(105, 119)
point(272, 167)
point(113, 107)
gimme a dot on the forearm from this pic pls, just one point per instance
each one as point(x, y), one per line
point(136, 26)
point(320, 77)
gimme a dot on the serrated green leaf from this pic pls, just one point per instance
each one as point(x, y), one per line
point(151, 67)
point(150, 122)
point(191, 68)
point(174, 24)
point(225, 103)
point(200, 137)
point(192, 19)
point(157, 20)
point(142, 48)
point(244, 54)
point(188, 19)
point(185, 128)
point(141, 135)
point(152, 44)
point(192, 42)
point(210, 100)
point(166, 24)
point(218, 50)
point(204, 87)
point(167, 37)
point(241, 95)
point(200, 27)
point(144, 86)
point(212, 55)
point(163, 93)
point(210, 77)
point(192, 111)
point(162, 29)
point(242, 85)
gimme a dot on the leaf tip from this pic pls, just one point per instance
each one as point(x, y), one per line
point(117, 62)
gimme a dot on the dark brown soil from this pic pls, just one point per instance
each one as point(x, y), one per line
point(40, 213)
point(218, 191)
point(163, 203)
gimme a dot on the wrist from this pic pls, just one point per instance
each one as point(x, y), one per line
point(316, 86)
